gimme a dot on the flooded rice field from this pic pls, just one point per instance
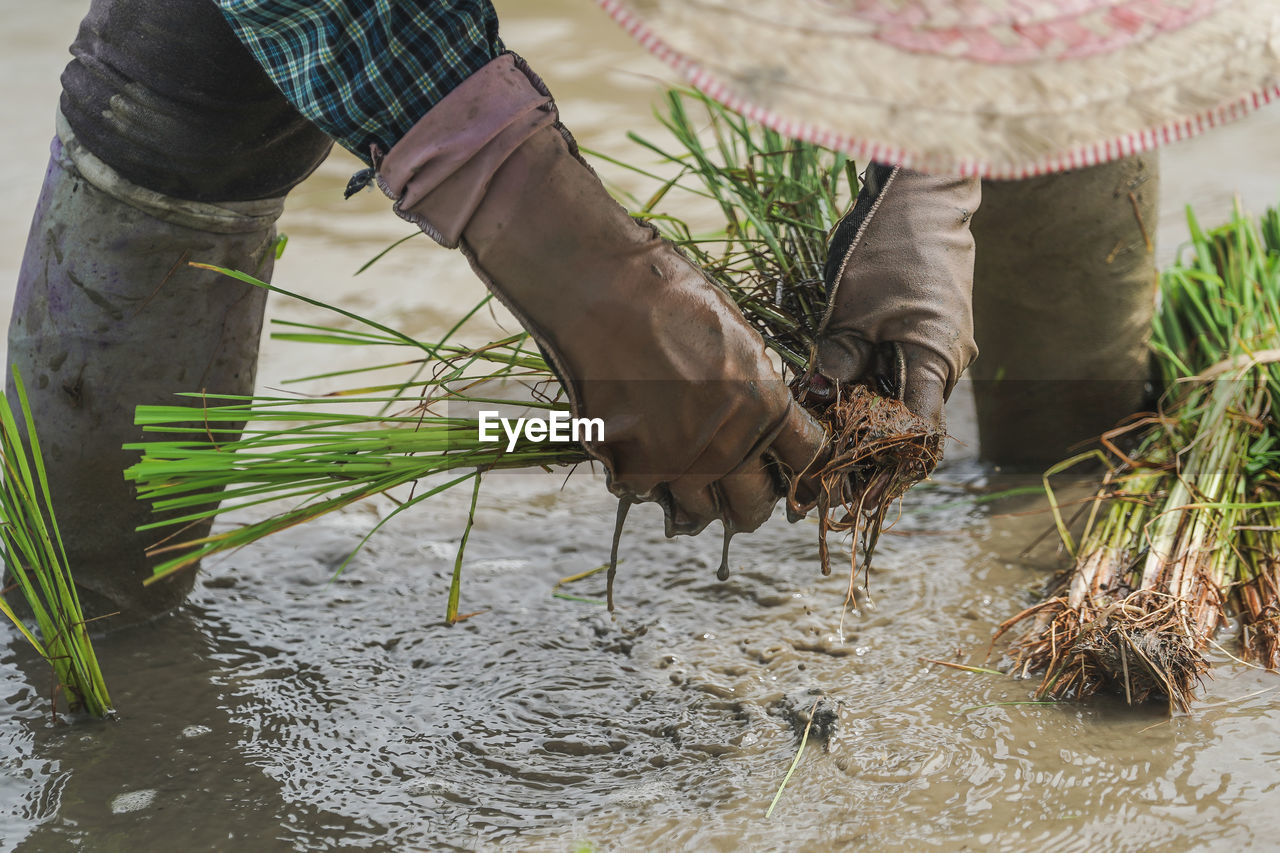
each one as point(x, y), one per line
point(286, 709)
point(283, 711)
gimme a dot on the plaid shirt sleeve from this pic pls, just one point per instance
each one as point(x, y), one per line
point(365, 71)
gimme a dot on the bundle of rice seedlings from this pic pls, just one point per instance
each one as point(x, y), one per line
point(36, 564)
point(1183, 531)
point(778, 200)
point(323, 453)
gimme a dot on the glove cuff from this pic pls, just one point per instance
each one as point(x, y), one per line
point(452, 153)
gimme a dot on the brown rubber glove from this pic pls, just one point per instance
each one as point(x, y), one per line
point(694, 412)
point(899, 282)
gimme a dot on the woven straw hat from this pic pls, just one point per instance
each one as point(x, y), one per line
point(998, 88)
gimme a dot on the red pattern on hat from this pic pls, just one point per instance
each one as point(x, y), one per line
point(1014, 31)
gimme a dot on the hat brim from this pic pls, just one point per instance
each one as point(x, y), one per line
point(813, 72)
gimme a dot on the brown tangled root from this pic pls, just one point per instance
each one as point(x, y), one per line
point(877, 450)
point(1260, 618)
point(1141, 645)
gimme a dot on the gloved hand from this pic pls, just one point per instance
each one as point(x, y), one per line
point(694, 412)
point(899, 280)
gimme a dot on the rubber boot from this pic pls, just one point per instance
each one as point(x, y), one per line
point(108, 315)
point(1064, 290)
point(172, 146)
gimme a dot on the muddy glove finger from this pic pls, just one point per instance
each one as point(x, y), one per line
point(801, 449)
point(692, 504)
point(743, 500)
point(842, 359)
point(749, 495)
point(925, 389)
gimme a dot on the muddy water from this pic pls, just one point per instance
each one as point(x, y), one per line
point(282, 711)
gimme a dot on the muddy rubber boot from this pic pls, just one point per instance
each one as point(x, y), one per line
point(107, 316)
point(1064, 290)
point(172, 146)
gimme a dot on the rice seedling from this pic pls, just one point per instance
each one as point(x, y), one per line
point(1182, 533)
point(36, 564)
point(777, 200)
point(795, 762)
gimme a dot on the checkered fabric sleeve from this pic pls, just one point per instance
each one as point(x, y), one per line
point(365, 71)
